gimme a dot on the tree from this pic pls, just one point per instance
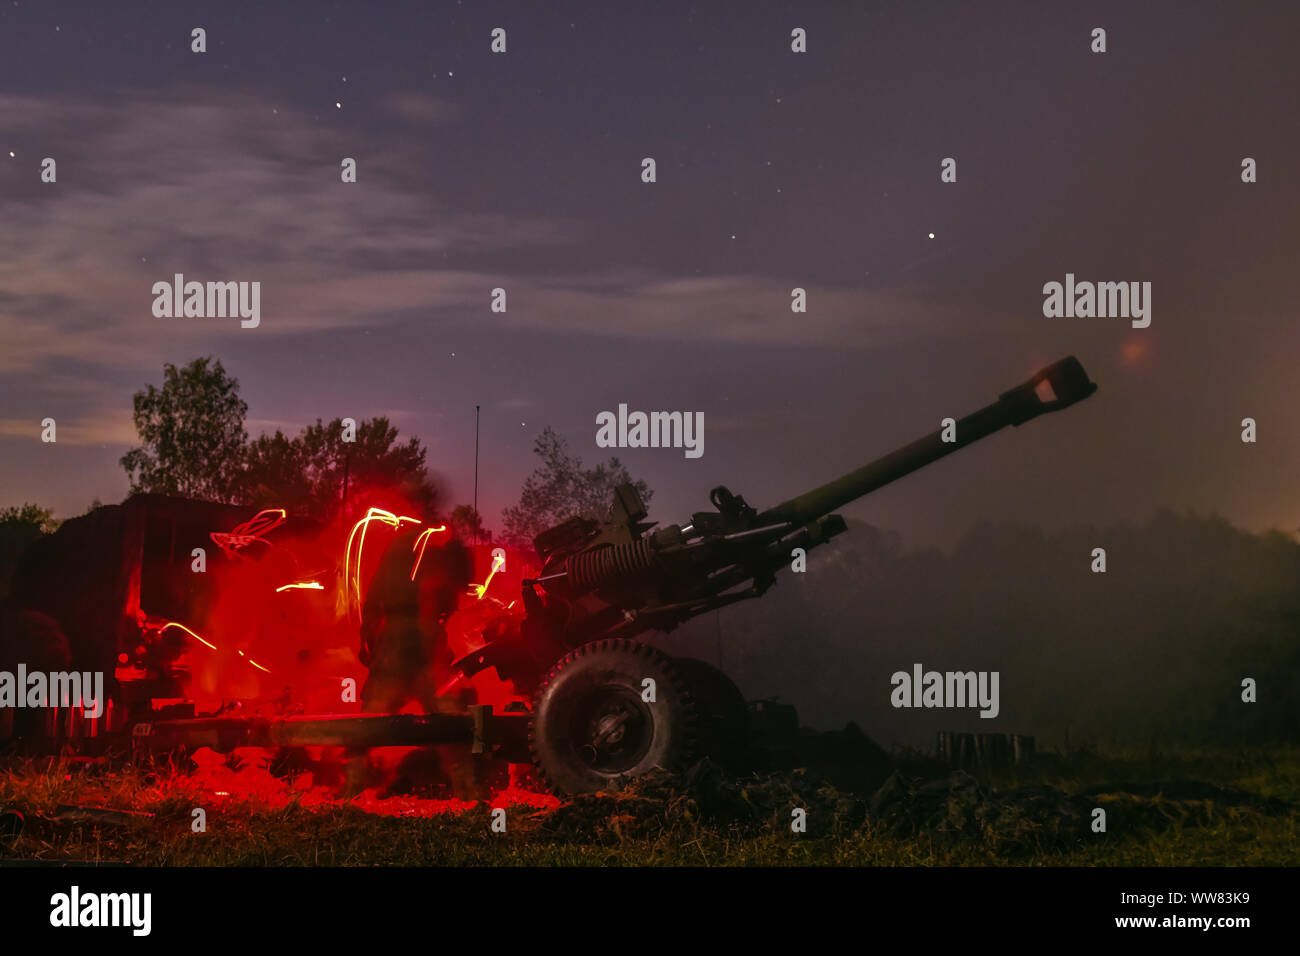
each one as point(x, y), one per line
point(40, 520)
point(309, 471)
point(560, 488)
point(191, 432)
point(468, 525)
point(274, 471)
point(194, 444)
point(19, 527)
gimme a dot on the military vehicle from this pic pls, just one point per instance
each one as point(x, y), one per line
point(595, 703)
point(604, 704)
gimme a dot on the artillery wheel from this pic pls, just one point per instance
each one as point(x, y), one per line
point(722, 714)
point(591, 724)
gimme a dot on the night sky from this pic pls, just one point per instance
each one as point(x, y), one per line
point(775, 170)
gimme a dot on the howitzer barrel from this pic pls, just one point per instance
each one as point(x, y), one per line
point(1068, 383)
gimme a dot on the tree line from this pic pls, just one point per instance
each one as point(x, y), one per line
point(194, 443)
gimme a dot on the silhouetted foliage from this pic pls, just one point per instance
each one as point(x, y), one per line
point(20, 525)
point(468, 525)
point(561, 488)
point(194, 445)
point(307, 472)
point(191, 432)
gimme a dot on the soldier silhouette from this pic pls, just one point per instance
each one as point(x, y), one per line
point(404, 640)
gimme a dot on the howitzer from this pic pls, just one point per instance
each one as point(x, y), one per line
point(598, 705)
point(620, 578)
point(604, 705)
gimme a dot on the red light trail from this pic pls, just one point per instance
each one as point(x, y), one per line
point(420, 543)
point(252, 530)
point(209, 644)
point(374, 514)
point(498, 562)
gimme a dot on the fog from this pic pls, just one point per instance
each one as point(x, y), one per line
point(1151, 652)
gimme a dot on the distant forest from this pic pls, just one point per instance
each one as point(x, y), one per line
point(1151, 652)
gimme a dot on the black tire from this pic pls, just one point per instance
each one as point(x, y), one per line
point(590, 726)
point(721, 714)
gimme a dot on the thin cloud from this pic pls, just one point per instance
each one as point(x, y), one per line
point(229, 191)
point(101, 427)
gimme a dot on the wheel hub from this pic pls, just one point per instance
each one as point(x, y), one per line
point(612, 730)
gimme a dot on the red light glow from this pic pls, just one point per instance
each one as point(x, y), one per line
point(207, 644)
point(479, 590)
point(187, 631)
point(251, 531)
point(354, 574)
point(420, 543)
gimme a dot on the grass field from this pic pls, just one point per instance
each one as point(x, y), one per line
point(1198, 809)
